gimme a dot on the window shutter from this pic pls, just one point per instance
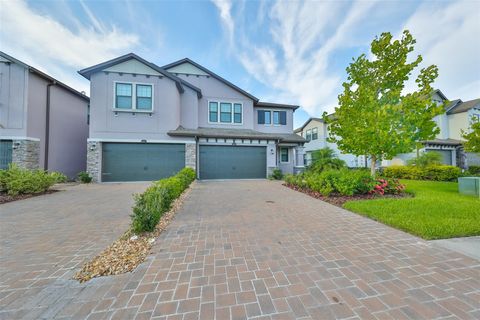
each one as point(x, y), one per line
point(261, 117)
point(283, 117)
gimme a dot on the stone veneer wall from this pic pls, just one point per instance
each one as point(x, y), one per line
point(191, 155)
point(26, 153)
point(94, 160)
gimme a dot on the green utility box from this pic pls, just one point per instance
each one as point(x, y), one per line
point(469, 185)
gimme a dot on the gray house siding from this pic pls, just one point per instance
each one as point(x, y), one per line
point(271, 128)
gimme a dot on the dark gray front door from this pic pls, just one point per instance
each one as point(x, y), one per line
point(5, 153)
point(141, 161)
point(233, 162)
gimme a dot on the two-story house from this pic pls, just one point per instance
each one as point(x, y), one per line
point(448, 143)
point(148, 122)
point(43, 122)
point(315, 132)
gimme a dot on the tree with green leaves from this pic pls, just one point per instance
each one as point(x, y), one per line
point(374, 118)
point(472, 143)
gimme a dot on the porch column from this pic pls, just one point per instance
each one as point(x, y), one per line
point(299, 164)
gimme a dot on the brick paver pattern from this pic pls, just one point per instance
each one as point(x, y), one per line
point(236, 250)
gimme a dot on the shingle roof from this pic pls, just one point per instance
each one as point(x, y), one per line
point(45, 76)
point(465, 106)
point(214, 75)
point(307, 122)
point(452, 142)
point(87, 72)
point(234, 133)
point(276, 105)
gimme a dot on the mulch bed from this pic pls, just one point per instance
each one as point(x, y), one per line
point(4, 198)
point(339, 200)
point(129, 251)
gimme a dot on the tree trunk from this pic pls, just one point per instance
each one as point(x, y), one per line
point(373, 163)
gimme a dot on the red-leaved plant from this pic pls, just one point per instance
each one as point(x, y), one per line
point(387, 186)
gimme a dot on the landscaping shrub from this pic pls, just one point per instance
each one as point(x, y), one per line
point(343, 182)
point(324, 159)
point(426, 159)
point(157, 199)
point(276, 174)
point(15, 181)
point(59, 177)
point(84, 177)
point(388, 186)
point(474, 170)
point(433, 172)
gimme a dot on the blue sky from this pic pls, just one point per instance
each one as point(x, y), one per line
point(292, 52)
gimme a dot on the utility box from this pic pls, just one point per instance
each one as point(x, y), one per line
point(469, 186)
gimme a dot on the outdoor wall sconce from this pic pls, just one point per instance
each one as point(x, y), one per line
point(271, 151)
point(93, 146)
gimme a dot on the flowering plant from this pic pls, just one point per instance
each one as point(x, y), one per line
point(387, 186)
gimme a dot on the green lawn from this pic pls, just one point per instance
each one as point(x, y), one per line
point(437, 211)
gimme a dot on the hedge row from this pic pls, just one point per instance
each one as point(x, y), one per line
point(157, 199)
point(16, 180)
point(433, 172)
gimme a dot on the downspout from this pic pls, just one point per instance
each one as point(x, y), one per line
point(47, 126)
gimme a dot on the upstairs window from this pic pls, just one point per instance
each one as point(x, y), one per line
point(144, 97)
point(237, 113)
point(265, 117)
point(123, 96)
point(133, 97)
point(308, 136)
point(225, 112)
point(213, 112)
point(314, 133)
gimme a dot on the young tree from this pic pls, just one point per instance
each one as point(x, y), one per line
point(472, 143)
point(374, 118)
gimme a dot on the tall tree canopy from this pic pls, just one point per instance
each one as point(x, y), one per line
point(374, 118)
point(472, 143)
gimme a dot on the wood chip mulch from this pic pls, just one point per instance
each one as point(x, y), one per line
point(129, 251)
point(4, 198)
point(339, 201)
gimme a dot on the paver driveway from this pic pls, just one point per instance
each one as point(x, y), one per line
point(241, 249)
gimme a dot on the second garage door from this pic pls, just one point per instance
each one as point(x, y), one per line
point(232, 162)
point(141, 161)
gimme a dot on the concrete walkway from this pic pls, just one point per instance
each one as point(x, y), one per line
point(469, 246)
point(251, 249)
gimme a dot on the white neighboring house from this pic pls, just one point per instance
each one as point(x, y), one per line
point(315, 131)
point(448, 142)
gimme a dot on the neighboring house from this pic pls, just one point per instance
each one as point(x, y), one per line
point(148, 122)
point(43, 122)
point(448, 143)
point(315, 132)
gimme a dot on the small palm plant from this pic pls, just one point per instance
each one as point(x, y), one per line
point(325, 158)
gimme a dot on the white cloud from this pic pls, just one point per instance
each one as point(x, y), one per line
point(447, 36)
point(50, 46)
point(307, 36)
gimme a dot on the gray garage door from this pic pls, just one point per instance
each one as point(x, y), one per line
point(232, 162)
point(141, 161)
point(5, 153)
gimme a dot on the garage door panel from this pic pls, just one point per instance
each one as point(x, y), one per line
point(232, 162)
point(140, 161)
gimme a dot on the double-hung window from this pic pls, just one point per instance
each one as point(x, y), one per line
point(276, 117)
point(314, 133)
point(123, 96)
point(144, 97)
point(308, 136)
point(283, 154)
point(272, 117)
point(268, 117)
point(132, 96)
point(213, 112)
point(225, 112)
point(237, 113)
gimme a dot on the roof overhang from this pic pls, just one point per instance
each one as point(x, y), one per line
point(261, 104)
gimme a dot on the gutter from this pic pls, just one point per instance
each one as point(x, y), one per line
point(47, 125)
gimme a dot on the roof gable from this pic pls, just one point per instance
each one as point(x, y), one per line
point(133, 66)
point(178, 63)
point(307, 122)
point(187, 68)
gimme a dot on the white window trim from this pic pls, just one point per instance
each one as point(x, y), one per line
point(306, 135)
point(134, 97)
point(314, 129)
point(271, 124)
point(232, 112)
point(288, 155)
